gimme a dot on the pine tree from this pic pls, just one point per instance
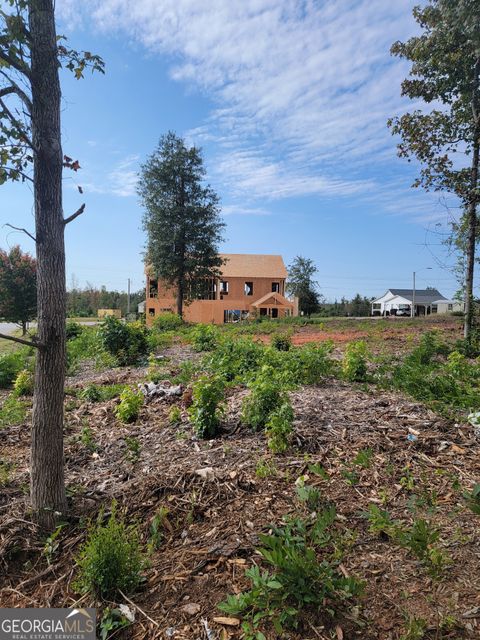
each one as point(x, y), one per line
point(182, 218)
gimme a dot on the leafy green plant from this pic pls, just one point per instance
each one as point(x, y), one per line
point(381, 523)
point(318, 470)
point(266, 396)
point(52, 544)
point(130, 404)
point(127, 342)
point(415, 629)
point(24, 383)
point(134, 448)
point(111, 558)
point(10, 366)
point(92, 393)
point(421, 539)
point(281, 341)
point(472, 499)
point(73, 330)
point(87, 439)
point(6, 468)
point(157, 528)
point(204, 337)
point(308, 495)
point(167, 322)
point(13, 411)
point(363, 458)
point(175, 415)
point(354, 365)
point(112, 620)
point(206, 411)
point(265, 468)
point(296, 580)
point(279, 428)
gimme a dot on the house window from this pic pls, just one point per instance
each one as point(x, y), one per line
point(153, 288)
point(377, 305)
point(275, 287)
point(434, 308)
point(450, 307)
point(249, 288)
point(151, 312)
point(224, 287)
point(234, 315)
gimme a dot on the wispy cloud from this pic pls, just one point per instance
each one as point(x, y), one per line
point(303, 88)
point(120, 181)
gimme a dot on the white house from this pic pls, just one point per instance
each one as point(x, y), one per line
point(398, 302)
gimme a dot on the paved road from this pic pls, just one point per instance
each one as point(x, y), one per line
point(7, 327)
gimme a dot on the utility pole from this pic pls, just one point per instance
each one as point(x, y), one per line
point(128, 298)
point(412, 312)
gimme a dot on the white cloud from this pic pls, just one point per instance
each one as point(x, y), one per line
point(121, 181)
point(303, 88)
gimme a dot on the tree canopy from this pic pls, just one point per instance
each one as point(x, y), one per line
point(182, 218)
point(444, 136)
point(18, 287)
point(301, 284)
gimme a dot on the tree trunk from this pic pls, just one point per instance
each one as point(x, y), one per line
point(180, 297)
point(47, 459)
point(472, 205)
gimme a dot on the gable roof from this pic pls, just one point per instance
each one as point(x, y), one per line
point(245, 265)
point(276, 299)
point(422, 296)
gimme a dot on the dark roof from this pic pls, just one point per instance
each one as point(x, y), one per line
point(422, 296)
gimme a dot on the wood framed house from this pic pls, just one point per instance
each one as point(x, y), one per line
point(250, 285)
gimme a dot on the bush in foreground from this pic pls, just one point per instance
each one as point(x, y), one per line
point(111, 558)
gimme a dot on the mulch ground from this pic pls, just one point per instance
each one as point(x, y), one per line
point(215, 517)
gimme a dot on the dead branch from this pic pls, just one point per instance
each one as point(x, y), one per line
point(74, 215)
point(29, 343)
point(20, 229)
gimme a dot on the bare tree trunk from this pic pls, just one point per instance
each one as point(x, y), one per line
point(180, 296)
point(471, 241)
point(472, 206)
point(47, 459)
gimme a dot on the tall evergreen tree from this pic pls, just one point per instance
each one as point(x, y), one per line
point(182, 218)
point(445, 139)
point(301, 284)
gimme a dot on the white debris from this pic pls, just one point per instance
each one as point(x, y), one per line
point(151, 390)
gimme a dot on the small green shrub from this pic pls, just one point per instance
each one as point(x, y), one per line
point(130, 404)
point(175, 415)
point(73, 330)
point(134, 448)
point(472, 499)
point(10, 366)
point(235, 359)
point(91, 393)
point(87, 438)
point(13, 411)
point(126, 342)
point(112, 620)
point(206, 410)
point(204, 337)
point(281, 341)
point(354, 365)
point(265, 468)
point(279, 428)
point(308, 495)
point(381, 523)
point(297, 579)
point(266, 395)
point(167, 322)
point(24, 383)
point(421, 539)
point(111, 558)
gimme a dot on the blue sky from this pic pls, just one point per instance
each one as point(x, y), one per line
point(288, 99)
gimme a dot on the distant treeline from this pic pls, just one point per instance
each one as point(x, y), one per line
point(357, 306)
point(86, 302)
